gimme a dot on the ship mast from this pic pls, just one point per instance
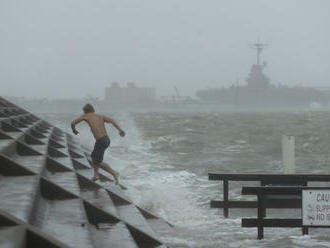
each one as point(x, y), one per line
point(259, 47)
point(256, 78)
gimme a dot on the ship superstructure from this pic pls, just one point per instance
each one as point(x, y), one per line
point(256, 78)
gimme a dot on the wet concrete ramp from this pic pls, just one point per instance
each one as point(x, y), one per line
point(48, 200)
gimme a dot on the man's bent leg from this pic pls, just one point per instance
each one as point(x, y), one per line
point(107, 168)
point(96, 172)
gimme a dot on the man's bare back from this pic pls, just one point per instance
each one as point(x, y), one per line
point(96, 123)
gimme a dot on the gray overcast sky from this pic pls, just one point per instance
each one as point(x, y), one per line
point(74, 48)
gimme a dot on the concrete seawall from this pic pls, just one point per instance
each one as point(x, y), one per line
point(48, 200)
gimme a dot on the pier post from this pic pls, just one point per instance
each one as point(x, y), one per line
point(261, 213)
point(288, 154)
point(225, 198)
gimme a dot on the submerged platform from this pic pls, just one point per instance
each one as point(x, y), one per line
point(48, 200)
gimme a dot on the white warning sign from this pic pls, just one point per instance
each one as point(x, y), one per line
point(316, 207)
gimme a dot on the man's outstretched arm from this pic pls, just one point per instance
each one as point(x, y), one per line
point(110, 120)
point(75, 122)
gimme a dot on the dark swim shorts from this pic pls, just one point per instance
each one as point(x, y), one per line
point(100, 145)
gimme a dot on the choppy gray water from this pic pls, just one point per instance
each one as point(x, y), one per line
point(165, 158)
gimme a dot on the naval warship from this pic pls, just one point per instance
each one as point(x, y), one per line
point(259, 91)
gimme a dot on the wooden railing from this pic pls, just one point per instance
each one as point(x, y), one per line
point(263, 180)
point(276, 197)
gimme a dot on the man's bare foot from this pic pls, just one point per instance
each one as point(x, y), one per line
point(95, 178)
point(116, 176)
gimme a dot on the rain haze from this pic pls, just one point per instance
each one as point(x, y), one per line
point(78, 47)
point(239, 87)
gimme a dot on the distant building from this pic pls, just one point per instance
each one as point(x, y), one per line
point(131, 94)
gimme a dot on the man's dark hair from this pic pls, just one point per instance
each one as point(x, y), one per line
point(88, 108)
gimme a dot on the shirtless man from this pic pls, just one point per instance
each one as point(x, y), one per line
point(96, 123)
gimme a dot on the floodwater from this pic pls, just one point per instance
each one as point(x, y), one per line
point(166, 156)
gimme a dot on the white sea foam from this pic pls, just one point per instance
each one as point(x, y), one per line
point(166, 171)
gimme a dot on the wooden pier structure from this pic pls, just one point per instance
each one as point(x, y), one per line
point(276, 191)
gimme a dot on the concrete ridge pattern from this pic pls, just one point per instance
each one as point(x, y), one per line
point(48, 199)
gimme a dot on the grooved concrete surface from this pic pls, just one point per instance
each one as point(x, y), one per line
point(47, 198)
